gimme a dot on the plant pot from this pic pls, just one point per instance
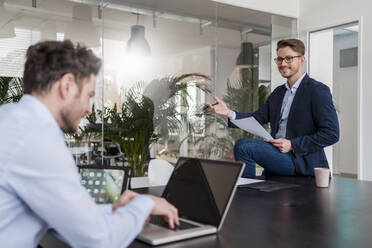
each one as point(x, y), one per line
point(139, 182)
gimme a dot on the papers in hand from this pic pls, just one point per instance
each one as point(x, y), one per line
point(251, 125)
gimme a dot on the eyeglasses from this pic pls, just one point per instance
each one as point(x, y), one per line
point(287, 59)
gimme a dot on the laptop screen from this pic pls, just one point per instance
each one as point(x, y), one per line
point(104, 185)
point(201, 189)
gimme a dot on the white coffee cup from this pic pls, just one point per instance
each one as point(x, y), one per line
point(321, 177)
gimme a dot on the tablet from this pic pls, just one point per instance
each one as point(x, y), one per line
point(104, 183)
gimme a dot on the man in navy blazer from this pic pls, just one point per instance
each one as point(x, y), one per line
point(302, 118)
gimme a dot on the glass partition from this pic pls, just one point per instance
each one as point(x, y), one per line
point(241, 73)
point(23, 23)
point(162, 60)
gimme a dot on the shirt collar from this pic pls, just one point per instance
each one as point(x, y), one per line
point(40, 110)
point(296, 85)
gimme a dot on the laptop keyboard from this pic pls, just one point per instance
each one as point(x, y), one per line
point(159, 221)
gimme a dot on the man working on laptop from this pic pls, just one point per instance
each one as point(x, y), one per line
point(302, 118)
point(39, 182)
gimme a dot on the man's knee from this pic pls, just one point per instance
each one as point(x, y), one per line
point(243, 145)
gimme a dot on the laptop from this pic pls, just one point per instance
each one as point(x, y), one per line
point(104, 183)
point(202, 190)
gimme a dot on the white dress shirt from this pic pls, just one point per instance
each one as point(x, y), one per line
point(40, 187)
point(286, 107)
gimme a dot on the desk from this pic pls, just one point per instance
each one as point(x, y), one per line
point(339, 216)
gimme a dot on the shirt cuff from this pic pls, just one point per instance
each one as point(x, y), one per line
point(233, 117)
point(142, 205)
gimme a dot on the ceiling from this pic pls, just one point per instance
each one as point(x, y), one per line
point(222, 14)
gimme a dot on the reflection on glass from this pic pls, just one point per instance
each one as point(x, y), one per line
point(82, 29)
point(6, 23)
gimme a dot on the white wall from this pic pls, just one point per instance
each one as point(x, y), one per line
point(345, 81)
point(321, 57)
point(315, 14)
point(320, 61)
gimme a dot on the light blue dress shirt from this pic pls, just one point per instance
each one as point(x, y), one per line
point(286, 107)
point(40, 187)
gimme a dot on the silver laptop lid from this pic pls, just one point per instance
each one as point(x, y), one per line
point(202, 189)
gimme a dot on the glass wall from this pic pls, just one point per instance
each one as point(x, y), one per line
point(162, 60)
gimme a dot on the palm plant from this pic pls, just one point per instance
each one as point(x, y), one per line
point(172, 111)
point(11, 89)
point(133, 128)
point(147, 114)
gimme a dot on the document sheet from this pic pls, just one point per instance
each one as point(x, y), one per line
point(251, 125)
point(244, 181)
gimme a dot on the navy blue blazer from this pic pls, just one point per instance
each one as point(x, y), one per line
point(312, 123)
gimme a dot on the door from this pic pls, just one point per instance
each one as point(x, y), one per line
point(333, 60)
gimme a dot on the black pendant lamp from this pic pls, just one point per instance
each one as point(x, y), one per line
point(247, 56)
point(137, 44)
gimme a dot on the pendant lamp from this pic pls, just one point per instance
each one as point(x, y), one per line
point(246, 56)
point(137, 44)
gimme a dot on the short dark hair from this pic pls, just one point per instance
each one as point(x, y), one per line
point(49, 61)
point(296, 45)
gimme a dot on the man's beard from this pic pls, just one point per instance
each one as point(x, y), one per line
point(68, 119)
point(289, 68)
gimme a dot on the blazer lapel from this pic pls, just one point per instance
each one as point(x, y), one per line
point(277, 106)
point(297, 99)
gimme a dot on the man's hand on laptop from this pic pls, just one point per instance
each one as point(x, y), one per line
point(124, 199)
point(161, 207)
point(165, 209)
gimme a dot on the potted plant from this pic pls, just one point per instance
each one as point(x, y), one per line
point(147, 114)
